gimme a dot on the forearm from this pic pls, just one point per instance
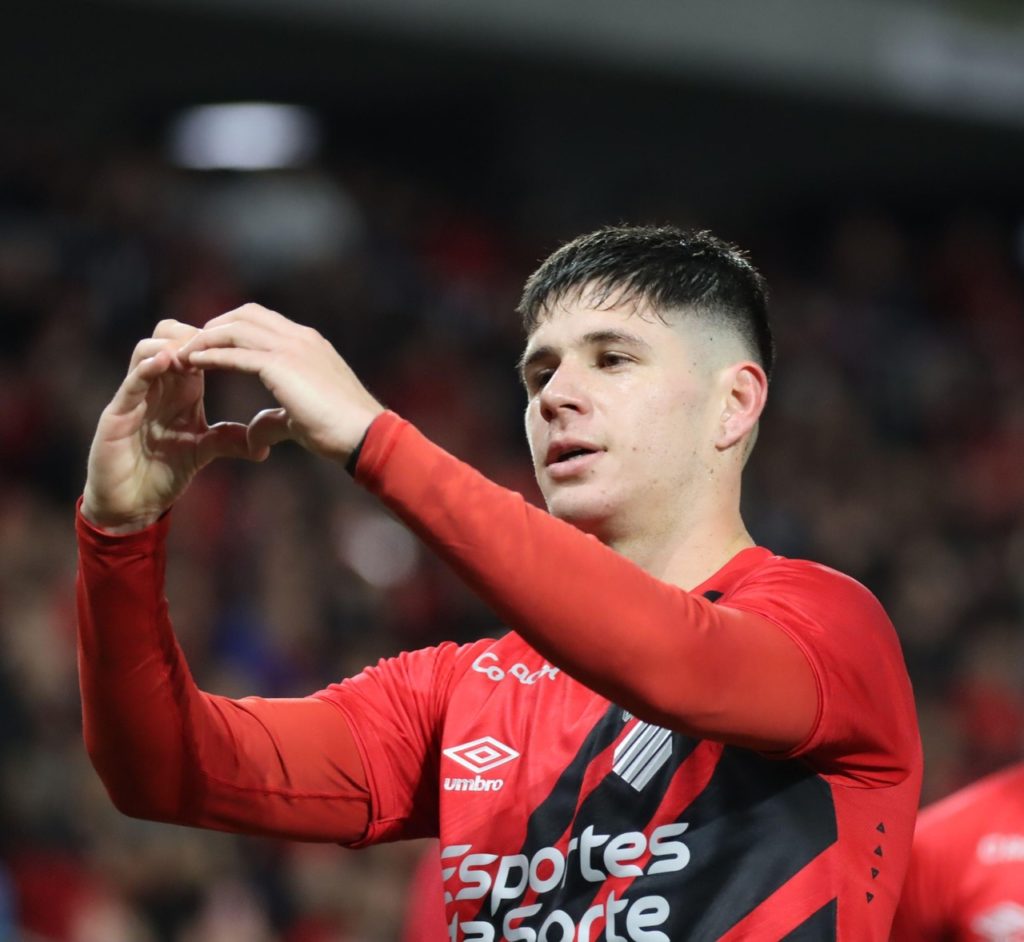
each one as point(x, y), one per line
point(166, 750)
point(666, 655)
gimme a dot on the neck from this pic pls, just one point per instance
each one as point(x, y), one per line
point(687, 544)
point(688, 548)
point(686, 561)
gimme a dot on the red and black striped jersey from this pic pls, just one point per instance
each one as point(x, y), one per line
point(563, 816)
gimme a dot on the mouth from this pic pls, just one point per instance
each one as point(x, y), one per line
point(564, 451)
point(566, 459)
point(572, 453)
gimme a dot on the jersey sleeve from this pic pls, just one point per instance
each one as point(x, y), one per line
point(866, 724)
point(923, 913)
point(168, 751)
point(396, 712)
point(669, 656)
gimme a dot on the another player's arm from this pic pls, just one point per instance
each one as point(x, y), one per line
point(929, 890)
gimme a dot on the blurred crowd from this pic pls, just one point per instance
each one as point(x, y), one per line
point(893, 449)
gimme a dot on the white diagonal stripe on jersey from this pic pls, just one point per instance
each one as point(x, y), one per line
point(652, 748)
point(627, 750)
point(627, 739)
point(643, 750)
point(657, 761)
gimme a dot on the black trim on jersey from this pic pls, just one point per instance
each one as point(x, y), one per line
point(758, 823)
point(820, 927)
point(553, 815)
point(613, 807)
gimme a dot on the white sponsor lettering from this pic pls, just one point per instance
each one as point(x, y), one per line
point(638, 919)
point(1001, 848)
point(1002, 923)
point(471, 872)
point(473, 784)
point(487, 664)
point(646, 913)
point(546, 855)
point(672, 855)
point(593, 856)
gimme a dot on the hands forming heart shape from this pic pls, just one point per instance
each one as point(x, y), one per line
point(153, 436)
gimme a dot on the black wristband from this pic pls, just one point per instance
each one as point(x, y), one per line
point(353, 459)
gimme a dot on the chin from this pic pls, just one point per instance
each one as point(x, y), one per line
point(590, 516)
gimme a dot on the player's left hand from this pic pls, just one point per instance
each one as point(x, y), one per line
point(323, 405)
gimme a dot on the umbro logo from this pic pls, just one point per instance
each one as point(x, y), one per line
point(480, 755)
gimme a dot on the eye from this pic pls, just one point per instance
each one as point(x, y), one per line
point(609, 360)
point(537, 379)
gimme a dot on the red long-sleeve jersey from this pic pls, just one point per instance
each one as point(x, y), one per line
point(589, 774)
point(966, 877)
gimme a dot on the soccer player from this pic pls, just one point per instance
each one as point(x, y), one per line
point(966, 877)
point(683, 736)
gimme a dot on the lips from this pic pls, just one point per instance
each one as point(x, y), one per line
point(561, 452)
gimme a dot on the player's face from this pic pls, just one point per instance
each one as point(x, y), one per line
point(620, 415)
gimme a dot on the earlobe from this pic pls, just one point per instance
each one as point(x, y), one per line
point(746, 390)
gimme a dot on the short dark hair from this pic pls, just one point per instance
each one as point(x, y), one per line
point(670, 268)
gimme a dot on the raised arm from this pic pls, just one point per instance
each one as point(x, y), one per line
point(163, 748)
point(667, 656)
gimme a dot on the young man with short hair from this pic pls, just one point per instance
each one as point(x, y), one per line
point(682, 737)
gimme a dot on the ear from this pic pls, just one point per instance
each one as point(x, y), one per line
point(745, 390)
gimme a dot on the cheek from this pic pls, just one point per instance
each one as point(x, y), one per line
point(673, 429)
point(533, 429)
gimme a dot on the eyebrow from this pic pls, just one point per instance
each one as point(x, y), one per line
point(592, 339)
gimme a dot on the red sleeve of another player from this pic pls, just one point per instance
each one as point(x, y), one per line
point(923, 914)
point(168, 751)
point(425, 919)
point(670, 657)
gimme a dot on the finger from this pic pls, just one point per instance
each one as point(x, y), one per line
point(240, 334)
point(239, 359)
point(268, 428)
point(228, 440)
point(132, 392)
point(150, 347)
point(170, 329)
point(250, 313)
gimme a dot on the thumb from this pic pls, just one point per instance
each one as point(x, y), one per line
point(268, 428)
point(228, 440)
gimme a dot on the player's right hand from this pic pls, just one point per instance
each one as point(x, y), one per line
point(153, 437)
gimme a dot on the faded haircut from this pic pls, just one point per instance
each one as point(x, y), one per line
point(675, 271)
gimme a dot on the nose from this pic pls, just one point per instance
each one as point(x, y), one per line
point(564, 392)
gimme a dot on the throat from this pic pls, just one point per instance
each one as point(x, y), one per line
point(682, 559)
